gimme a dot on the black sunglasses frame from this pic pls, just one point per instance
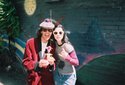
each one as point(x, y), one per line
point(55, 33)
point(45, 30)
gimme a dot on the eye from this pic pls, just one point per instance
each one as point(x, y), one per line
point(55, 33)
point(44, 30)
point(50, 30)
point(60, 33)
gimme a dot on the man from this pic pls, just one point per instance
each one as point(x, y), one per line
point(38, 66)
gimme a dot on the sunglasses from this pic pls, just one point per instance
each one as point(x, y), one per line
point(45, 30)
point(55, 33)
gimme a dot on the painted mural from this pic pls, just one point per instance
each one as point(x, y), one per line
point(98, 36)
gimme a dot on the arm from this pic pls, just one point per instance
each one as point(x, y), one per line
point(72, 58)
point(68, 53)
point(28, 62)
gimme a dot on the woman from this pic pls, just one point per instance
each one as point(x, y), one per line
point(38, 66)
point(65, 73)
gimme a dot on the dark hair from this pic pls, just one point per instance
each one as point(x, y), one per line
point(65, 38)
point(40, 27)
point(39, 32)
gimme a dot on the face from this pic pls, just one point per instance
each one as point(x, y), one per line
point(46, 34)
point(58, 34)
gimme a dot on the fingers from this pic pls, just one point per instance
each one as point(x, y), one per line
point(60, 55)
point(51, 60)
point(43, 63)
point(46, 62)
point(63, 49)
point(63, 53)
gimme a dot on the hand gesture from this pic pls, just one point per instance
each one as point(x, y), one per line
point(43, 63)
point(63, 53)
point(51, 60)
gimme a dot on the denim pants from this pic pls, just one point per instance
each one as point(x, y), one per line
point(64, 79)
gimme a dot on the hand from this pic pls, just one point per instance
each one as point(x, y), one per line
point(63, 53)
point(43, 63)
point(51, 60)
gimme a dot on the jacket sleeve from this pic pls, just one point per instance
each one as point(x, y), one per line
point(28, 61)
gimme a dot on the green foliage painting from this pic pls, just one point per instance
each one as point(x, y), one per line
point(9, 20)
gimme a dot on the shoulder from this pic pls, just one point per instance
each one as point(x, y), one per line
point(30, 40)
point(68, 47)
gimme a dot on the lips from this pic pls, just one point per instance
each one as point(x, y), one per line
point(47, 35)
point(58, 38)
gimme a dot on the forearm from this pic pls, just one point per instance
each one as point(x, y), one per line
point(72, 58)
point(28, 64)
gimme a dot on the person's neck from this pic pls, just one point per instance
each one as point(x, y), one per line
point(59, 42)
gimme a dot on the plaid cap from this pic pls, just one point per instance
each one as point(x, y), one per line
point(47, 23)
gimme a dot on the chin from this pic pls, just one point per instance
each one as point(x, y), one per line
point(47, 39)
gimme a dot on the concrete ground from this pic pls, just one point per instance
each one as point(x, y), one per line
point(12, 76)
